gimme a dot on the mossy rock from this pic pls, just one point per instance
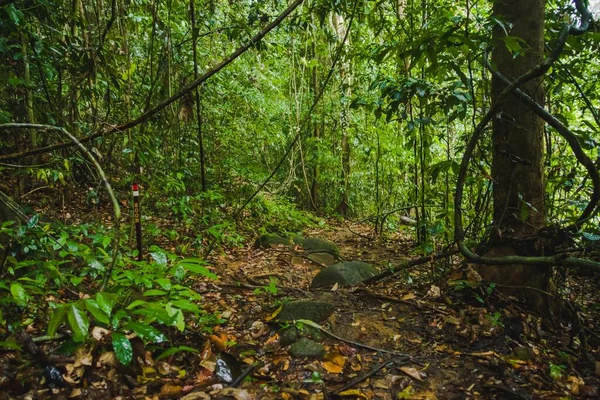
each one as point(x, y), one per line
point(293, 334)
point(313, 310)
point(271, 240)
point(306, 348)
point(346, 273)
point(315, 245)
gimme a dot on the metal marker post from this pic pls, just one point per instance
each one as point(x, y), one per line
point(137, 218)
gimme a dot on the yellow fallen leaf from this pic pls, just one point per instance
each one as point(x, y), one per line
point(274, 314)
point(220, 341)
point(273, 339)
point(354, 393)
point(332, 368)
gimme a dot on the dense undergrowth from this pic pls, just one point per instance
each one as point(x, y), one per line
point(52, 272)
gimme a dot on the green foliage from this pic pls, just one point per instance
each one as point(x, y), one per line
point(270, 289)
point(144, 295)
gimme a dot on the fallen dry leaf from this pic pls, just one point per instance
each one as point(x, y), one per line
point(169, 390)
point(412, 372)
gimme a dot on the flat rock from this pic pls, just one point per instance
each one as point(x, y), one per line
point(306, 348)
point(346, 273)
point(313, 310)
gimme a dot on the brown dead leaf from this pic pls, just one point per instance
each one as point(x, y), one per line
point(237, 394)
point(83, 357)
point(108, 358)
point(169, 390)
point(412, 372)
point(196, 396)
point(204, 375)
point(409, 296)
point(99, 333)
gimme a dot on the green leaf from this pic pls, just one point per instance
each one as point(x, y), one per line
point(155, 292)
point(95, 310)
point(160, 258)
point(58, 317)
point(196, 266)
point(19, 294)
point(79, 322)
point(146, 332)
point(105, 302)
point(16, 16)
point(164, 283)
point(592, 237)
point(174, 350)
point(123, 348)
point(31, 222)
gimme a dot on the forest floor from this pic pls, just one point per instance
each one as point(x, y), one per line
point(428, 332)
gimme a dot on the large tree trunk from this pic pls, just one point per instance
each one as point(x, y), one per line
point(518, 150)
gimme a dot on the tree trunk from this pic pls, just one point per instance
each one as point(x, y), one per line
point(518, 150)
point(340, 28)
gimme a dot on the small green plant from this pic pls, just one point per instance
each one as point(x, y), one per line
point(271, 288)
point(495, 319)
point(557, 371)
point(315, 377)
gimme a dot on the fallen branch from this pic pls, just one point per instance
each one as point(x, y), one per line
point(409, 263)
point(313, 324)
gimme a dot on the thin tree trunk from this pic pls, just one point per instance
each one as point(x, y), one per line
point(345, 79)
point(197, 95)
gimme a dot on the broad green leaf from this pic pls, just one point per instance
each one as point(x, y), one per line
point(79, 322)
point(58, 317)
point(164, 283)
point(123, 348)
point(186, 305)
point(160, 258)
point(146, 332)
point(16, 16)
point(19, 293)
point(105, 302)
point(197, 268)
point(95, 310)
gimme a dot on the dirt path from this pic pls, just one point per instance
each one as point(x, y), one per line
point(460, 343)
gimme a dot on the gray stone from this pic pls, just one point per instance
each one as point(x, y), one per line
point(306, 348)
point(316, 311)
point(346, 273)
